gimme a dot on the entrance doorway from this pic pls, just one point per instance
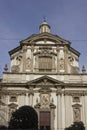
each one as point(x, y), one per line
point(45, 120)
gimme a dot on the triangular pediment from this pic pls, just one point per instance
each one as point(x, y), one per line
point(37, 37)
point(45, 80)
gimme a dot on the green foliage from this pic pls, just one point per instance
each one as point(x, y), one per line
point(24, 118)
point(76, 126)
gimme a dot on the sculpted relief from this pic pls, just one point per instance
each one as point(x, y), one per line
point(45, 100)
point(16, 66)
point(28, 63)
point(77, 114)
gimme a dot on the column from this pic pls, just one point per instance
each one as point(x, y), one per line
point(85, 111)
point(63, 110)
point(31, 100)
point(59, 112)
point(26, 99)
point(31, 93)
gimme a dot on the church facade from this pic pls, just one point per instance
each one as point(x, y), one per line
point(44, 73)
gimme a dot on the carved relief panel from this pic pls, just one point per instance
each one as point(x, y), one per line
point(45, 100)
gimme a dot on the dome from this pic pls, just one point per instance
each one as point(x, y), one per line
point(44, 27)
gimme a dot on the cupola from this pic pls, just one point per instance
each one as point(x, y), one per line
point(44, 27)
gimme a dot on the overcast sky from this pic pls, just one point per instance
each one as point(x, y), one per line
point(21, 18)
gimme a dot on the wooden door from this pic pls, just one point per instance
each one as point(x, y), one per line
point(45, 120)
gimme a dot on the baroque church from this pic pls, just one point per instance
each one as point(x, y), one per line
point(44, 73)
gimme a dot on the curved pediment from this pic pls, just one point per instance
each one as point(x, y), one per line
point(12, 105)
point(45, 81)
point(48, 36)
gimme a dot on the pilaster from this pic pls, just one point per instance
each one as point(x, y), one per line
point(66, 59)
point(24, 57)
point(58, 66)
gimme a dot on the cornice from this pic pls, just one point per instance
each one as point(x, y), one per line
point(75, 92)
point(46, 73)
point(71, 92)
point(14, 50)
point(74, 51)
point(46, 35)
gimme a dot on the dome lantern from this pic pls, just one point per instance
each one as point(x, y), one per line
point(44, 27)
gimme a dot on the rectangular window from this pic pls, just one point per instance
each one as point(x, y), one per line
point(45, 63)
point(13, 99)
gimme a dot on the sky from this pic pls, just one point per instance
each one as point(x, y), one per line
point(21, 18)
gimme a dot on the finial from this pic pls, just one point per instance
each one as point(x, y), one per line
point(83, 69)
point(44, 18)
point(6, 68)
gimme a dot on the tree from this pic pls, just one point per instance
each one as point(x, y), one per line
point(24, 118)
point(2, 127)
point(76, 126)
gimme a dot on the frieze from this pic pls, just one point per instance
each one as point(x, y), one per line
point(45, 90)
point(15, 92)
point(71, 92)
point(75, 92)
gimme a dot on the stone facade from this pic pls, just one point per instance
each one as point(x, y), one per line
point(45, 75)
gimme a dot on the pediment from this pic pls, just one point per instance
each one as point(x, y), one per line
point(12, 105)
point(45, 81)
point(37, 37)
